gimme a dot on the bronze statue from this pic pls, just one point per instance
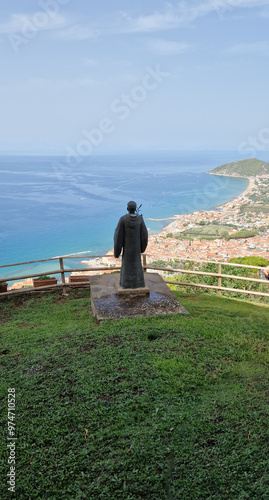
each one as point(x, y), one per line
point(131, 235)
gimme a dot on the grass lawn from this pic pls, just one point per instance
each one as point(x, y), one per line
point(156, 408)
point(208, 231)
point(262, 207)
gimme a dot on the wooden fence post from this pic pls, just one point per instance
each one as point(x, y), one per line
point(219, 279)
point(62, 275)
point(145, 263)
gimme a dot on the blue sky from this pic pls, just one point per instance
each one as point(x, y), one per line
point(98, 76)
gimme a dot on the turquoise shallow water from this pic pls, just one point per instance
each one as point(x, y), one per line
point(49, 207)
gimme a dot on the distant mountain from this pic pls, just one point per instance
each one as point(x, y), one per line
point(243, 168)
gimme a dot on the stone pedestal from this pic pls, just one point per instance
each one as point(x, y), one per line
point(110, 301)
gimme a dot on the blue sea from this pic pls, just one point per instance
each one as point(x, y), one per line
point(52, 206)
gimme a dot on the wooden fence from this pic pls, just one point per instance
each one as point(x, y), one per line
point(218, 275)
point(61, 270)
point(64, 284)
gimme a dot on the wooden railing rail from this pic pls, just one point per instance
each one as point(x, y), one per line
point(213, 287)
point(218, 275)
point(144, 256)
point(63, 271)
point(203, 273)
point(205, 261)
point(58, 271)
point(56, 258)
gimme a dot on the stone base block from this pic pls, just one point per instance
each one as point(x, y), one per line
point(108, 303)
point(131, 291)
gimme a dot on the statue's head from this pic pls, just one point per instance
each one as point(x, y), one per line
point(131, 207)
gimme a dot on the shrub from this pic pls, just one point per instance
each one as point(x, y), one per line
point(244, 233)
point(159, 263)
point(250, 261)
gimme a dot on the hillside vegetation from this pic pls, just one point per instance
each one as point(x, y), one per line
point(243, 168)
point(169, 407)
point(207, 232)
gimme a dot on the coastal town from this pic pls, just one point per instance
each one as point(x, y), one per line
point(177, 240)
point(168, 245)
point(237, 228)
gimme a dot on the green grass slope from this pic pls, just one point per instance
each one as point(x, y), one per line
point(150, 408)
point(243, 168)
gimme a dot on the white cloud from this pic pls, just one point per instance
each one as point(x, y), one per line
point(78, 32)
point(153, 22)
point(183, 13)
point(261, 48)
point(234, 4)
point(168, 47)
point(244, 3)
point(22, 23)
point(174, 15)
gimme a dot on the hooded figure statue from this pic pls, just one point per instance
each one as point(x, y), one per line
point(131, 235)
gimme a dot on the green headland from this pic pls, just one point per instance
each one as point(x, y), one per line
point(243, 168)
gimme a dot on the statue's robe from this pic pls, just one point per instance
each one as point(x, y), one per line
point(131, 235)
